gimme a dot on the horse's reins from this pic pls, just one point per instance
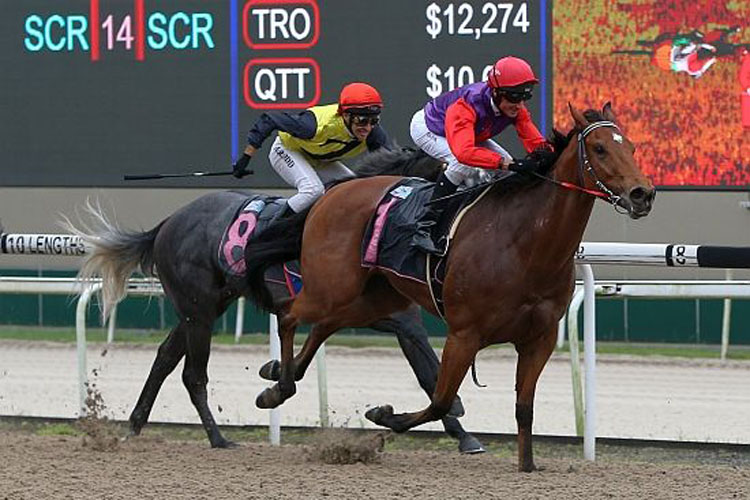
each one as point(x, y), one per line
point(604, 192)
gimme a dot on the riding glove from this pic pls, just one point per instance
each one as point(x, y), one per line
point(239, 169)
point(524, 165)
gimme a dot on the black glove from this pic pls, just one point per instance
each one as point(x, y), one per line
point(239, 169)
point(524, 166)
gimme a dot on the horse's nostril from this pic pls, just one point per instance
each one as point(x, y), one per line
point(638, 194)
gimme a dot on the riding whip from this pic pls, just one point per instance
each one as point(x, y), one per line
point(189, 174)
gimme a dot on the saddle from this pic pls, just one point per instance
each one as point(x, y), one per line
point(387, 243)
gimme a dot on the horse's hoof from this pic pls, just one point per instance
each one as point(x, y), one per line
point(271, 370)
point(269, 398)
point(225, 444)
point(528, 468)
point(133, 433)
point(457, 409)
point(379, 414)
point(469, 445)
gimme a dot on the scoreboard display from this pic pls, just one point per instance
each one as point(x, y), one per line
point(96, 89)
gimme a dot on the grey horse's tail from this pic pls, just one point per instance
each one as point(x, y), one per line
point(113, 253)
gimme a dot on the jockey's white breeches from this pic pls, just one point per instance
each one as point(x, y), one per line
point(297, 171)
point(437, 147)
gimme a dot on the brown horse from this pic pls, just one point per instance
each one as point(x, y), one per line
point(510, 272)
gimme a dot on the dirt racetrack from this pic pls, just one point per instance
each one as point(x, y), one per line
point(37, 466)
point(657, 399)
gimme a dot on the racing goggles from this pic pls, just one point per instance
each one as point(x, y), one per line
point(516, 97)
point(362, 120)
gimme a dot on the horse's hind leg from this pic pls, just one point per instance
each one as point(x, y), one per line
point(170, 352)
point(198, 298)
point(531, 360)
point(195, 375)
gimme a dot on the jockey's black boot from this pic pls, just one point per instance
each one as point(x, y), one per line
point(285, 211)
point(423, 238)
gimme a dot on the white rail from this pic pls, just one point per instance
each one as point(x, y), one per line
point(71, 286)
point(647, 289)
point(659, 254)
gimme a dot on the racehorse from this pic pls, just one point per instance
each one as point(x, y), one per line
point(510, 271)
point(183, 251)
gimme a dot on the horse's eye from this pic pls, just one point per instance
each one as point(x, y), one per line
point(599, 149)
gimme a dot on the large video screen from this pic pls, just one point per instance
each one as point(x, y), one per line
point(678, 75)
point(96, 89)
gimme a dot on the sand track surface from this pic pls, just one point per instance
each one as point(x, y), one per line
point(37, 466)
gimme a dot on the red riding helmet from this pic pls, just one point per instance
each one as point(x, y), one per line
point(360, 98)
point(510, 72)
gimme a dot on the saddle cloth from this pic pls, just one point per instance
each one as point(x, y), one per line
point(387, 243)
point(252, 216)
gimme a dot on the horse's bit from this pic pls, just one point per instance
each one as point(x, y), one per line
point(583, 163)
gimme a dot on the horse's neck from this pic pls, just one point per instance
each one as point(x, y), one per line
point(552, 219)
point(569, 209)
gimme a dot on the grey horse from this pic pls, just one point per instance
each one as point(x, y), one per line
point(182, 252)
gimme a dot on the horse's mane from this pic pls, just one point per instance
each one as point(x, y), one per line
point(546, 159)
point(383, 161)
point(394, 160)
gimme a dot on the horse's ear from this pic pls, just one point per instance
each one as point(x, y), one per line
point(608, 114)
point(581, 121)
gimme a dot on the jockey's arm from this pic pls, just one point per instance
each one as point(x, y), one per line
point(530, 136)
point(377, 138)
point(302, 125)
point(460, 119)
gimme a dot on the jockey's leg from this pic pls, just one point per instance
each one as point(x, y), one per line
point(296, 171)
point(423, 239)
point(334, 171)
point(455, 175)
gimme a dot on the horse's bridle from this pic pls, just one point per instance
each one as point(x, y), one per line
point(584, 164)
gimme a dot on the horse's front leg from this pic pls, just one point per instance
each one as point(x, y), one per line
point(285, 388)
point(414, 342)
point(531, 360)
point(457, 357)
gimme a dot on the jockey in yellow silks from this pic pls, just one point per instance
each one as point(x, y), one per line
point(310, 144)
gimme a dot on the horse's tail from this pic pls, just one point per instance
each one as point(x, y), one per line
point(280, 242)
point(114, 253)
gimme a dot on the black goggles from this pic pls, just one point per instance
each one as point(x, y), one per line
point(516, 97)
point(361, 120)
